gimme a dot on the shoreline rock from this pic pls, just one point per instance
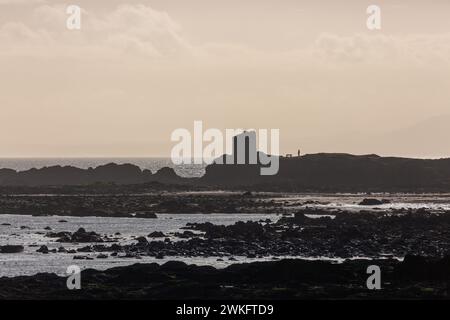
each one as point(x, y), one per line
point(79, 236)
point(373, 202)
point(283, 279)
point(11, 249)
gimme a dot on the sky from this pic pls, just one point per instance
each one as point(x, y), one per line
point(138, 70)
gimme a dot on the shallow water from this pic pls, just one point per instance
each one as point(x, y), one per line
point(439, 202)
point(30, 262)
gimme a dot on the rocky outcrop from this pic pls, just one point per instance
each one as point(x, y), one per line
point(11, 249)
point(156, 234)
point(348, 234)
point(373, 202)
point(106, 174)
point(240, 230)
point(79, 236)
point(336, 173)
point(285, 279)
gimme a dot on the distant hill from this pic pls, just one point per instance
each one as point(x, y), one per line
point(338, 172)
point(315, 172)
point(68, 175)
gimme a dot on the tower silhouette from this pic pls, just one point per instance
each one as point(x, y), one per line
point(244, 148)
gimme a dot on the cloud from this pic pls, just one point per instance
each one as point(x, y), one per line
point(383, 49)
point(20, 2)
point(127, 29)
point(16, 36)
point(142, 31)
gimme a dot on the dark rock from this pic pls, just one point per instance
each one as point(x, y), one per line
point(145, 214)
point(63, 236)
point(142, 241)
point(79, 236)
point(133, 255)
point(371, 202)
point(85, 249)
point(283, 279)
point(11, 249)
point(159, 255)
point(185, 235)
point(115, 247)
point(43, 249)
point(156, 234)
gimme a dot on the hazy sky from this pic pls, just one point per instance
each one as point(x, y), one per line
point(137, 70)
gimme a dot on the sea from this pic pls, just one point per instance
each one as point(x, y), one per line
point(30, 262)
point(29, 231)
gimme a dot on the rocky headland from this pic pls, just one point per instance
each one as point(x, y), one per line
point(309, 173)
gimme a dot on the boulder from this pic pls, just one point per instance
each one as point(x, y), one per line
point(80, 236)
point(142, 241)
point(156, 234)
point(11, 249)
point(43, 249)
point(371, 202)
point(145, 214)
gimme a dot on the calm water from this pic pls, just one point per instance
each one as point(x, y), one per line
point(31, 262)
point(152, 164)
